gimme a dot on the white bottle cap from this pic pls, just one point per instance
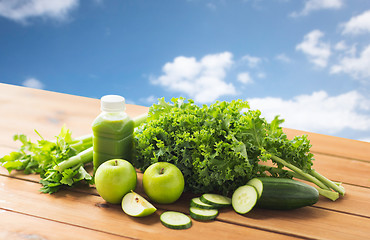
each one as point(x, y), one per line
point(113, 103)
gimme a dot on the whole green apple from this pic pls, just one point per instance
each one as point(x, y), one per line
point(114, 178)
point(163, 182)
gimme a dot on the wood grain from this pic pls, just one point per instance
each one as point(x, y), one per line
point(335, 146)
point(343, 170)
point(76, 211)
point(17, 226)
point(90, 211)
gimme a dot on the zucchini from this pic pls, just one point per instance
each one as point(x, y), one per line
point(215, 200)
point(203, 214)
point(244, 199)
point(283, 193)
point(195, 202)
point(175, 220)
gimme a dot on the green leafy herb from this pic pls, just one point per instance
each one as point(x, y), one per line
point(59, 163)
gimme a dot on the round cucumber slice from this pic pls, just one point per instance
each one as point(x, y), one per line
point(175, 220)
point(195, 202)
point(215, 200)
point(244, 199)
point(203, 214)
point(257, 184)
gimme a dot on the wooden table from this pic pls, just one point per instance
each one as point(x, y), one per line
point(76, 213)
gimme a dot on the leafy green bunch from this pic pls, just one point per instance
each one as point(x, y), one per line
point(219, 147)
point(49, 158)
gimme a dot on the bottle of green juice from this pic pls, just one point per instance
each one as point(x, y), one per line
point(112, 131)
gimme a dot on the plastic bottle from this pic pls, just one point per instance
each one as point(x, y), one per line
point(112, 131)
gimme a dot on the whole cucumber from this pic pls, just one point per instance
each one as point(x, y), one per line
point(283, 193)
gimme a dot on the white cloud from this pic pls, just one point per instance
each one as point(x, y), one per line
point(245, 78)
point(318, 112)
point(365, 139)
point(341, 46)
point(314, 5)
point(358, 24)
point(202, 80)
point(344, 50)
point(283, 58)
point(251, 60)
point(149, 100)
point(261, 75)
point(21, 10)
point(317, 51)
point(33, 83)
point(357, 67)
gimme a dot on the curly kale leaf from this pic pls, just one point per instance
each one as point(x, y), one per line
point(204, 142)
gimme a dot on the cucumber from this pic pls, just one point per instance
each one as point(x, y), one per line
point(215, 200)
point(257, 184)
point(244, 199)
point(195, 202)
point(284, 193)
point(175, 220)
point(203, 214)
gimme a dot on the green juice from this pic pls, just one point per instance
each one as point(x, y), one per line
point(112, 137)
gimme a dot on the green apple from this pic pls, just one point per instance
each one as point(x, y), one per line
point(163, 182)
point(114, 179)
point(135, 205)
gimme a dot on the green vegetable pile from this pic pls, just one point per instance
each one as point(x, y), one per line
point(217, 148)
point(59, 163)
point(220, 147)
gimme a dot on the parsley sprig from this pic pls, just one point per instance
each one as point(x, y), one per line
point(59, 163)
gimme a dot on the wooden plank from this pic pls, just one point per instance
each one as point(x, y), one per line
point(47, 112)
point(343, 170)
point(36, 101)
point(334, 146)
point(309, 222)
point(355, 202)
point(90, 211)
point(351, 209)
point(18, 226)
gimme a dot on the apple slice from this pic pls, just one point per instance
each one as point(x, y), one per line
point(135, 205)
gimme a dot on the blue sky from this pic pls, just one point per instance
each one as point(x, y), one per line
point(305, 60)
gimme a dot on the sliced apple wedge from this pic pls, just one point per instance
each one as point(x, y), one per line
point(135, 205)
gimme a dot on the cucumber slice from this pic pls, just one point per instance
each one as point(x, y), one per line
point(175, 220)
point(257, 184)
point(244, 199)
point(215, 200)
point(195, 202)
point(203, 214)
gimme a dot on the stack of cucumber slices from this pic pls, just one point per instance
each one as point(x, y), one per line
point(203, 208)
point(206, 207)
